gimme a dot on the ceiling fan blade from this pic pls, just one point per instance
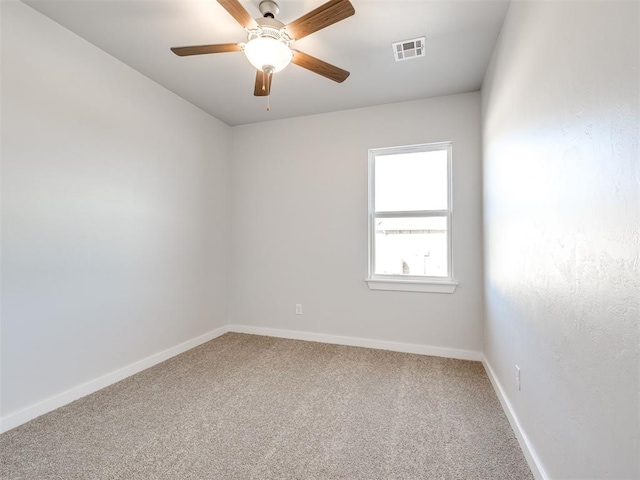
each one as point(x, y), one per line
point(318, 66)
point(331, 12)
point(263, 84)
point(238, 12)
point(203, 49)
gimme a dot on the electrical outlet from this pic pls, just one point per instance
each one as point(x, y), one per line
point(298, 309)
point(518, 384)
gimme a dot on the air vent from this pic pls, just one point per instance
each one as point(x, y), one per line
point(408, 49)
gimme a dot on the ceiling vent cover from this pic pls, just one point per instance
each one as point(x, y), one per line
point(408, 49)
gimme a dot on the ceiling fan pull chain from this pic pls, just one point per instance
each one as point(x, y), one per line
point(266, 83)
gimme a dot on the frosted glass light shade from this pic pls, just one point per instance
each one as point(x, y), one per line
point(265, 51)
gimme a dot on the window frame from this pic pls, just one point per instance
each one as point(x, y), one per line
point(413, 283)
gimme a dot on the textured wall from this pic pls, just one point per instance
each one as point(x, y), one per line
point(114, 213)
point(561, 216)
point(299, 224)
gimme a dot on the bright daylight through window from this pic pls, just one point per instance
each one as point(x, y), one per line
point(410, 218)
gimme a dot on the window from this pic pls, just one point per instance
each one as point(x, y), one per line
point(410, 218)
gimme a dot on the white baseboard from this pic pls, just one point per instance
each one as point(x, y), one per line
point(360, 342)
point(529, 453)
point(29, 413)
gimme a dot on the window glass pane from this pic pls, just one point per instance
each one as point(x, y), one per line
point(411, 246)
point(411, 181)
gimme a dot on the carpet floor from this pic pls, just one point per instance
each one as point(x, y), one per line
point(252, 407)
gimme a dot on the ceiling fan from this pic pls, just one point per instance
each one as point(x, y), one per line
point(268, 40)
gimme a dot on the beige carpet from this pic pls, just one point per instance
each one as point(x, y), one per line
point(250, 407)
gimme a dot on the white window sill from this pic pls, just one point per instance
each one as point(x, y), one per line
point(444, 286)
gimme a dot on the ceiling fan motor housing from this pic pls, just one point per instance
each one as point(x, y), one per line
point(270, 27)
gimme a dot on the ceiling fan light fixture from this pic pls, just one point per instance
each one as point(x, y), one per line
point(268, 52)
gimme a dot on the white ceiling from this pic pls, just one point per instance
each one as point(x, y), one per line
point(460, 37)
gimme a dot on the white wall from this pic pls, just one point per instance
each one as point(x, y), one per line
point(561, 176)
point(114, 211)
point(299, 225)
